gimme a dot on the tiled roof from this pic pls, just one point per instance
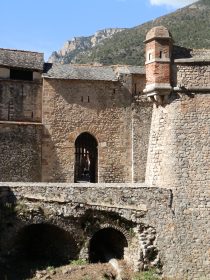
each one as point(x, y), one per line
point(89, 72)
point(81, 72)
point(21, 59)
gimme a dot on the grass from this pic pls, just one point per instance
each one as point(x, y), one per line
point(146, 275)
point(78, 262)
point(49, 268)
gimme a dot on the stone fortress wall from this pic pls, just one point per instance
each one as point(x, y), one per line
point(163, 145)
point(179, 143)
point(179, 137)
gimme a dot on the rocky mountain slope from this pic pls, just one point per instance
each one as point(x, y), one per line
point(82, 45)
point(190, 27)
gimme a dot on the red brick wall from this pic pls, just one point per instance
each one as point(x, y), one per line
point(158, 72)
point(157, 64)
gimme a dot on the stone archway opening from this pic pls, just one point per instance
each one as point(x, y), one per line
point(107, 244)
point(86, 158)
point(39, 246)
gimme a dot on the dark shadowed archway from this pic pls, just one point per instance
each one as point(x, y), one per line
point(39, 246)
point(45, 242)
point(86, 158)
point(106, 244)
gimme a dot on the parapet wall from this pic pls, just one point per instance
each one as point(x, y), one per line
point(179, 217)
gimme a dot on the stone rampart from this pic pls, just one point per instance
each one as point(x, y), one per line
point(179, 148)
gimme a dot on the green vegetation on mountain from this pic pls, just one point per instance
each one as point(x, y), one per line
point(190, 27)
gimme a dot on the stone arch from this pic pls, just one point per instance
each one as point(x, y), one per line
point(33, 215)
point(39, 245)
point(46, 243)
point(86, 158)
point(107, 243)
point(74, 135)
point(120, 229)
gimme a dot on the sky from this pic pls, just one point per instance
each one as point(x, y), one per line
point(45, 25)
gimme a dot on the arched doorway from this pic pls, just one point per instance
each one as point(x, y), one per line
point(106, 244)
point(86, 158)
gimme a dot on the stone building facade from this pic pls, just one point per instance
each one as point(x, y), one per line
point(69, 100)
point(140, 134)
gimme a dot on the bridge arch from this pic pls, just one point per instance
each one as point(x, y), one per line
point(118, 228)
point(107, 243)
point(45, 244)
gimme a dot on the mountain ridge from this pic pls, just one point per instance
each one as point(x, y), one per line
point(189, 27)
point(76, 45)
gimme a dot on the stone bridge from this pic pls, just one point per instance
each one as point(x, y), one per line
point(143, 225)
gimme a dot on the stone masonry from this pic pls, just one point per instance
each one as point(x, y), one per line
point(176, 221)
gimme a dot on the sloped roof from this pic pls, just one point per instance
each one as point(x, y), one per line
point(21, 59)
point(81, 72)
point(89, 72)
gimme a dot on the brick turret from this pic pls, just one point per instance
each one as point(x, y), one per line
point(158, 63)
